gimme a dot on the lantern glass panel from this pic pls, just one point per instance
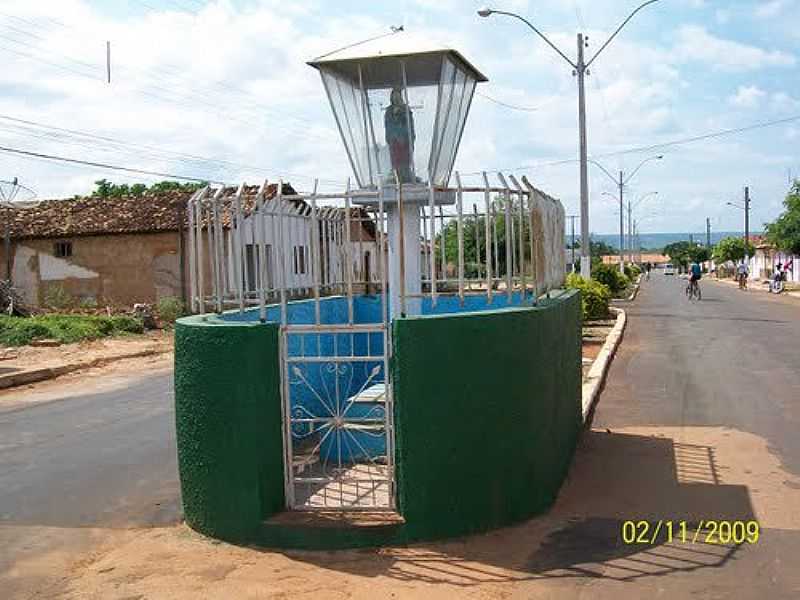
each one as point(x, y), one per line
point(400, 115)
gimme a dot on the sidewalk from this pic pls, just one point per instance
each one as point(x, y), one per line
point(30, 364)
point(755, 286)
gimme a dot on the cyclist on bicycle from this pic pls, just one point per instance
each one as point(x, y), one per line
point(695, 273)
point(741, 274)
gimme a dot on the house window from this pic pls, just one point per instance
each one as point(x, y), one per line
point(299, 260)
point(62, 249)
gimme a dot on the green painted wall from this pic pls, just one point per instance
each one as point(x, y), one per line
point(487, 415)
point(228, 423)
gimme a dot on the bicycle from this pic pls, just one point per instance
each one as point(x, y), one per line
point(778, 285)
point(743, 281)
point(693, 291)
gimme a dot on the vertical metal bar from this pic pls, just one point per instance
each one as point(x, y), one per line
point(192, 256)
point(460, 206)
point(521, 194)
point(508, 240)
point(200, 262)
point(281, 251)
point(443, 242)
point(532, 204)
point(216, 248)
point(261, 225)
point(488, 235)
point(432, 261)
point(382, 270)
point(401, 249)
point(477, 241)
point(286, 411)
point(494, 235)
point(348, 261)
point(238, 262)
point(425, 248)
point(314, 243)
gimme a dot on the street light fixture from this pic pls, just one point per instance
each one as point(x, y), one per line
point(621, 183)
point(580, 68)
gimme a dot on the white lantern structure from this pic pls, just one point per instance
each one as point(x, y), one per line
point(401, 107)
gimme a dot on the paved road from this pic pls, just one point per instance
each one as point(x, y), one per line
point(731, 360)
point(700, 419)
point(99, 455)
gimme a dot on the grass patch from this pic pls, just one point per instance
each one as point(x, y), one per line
point(19, 331)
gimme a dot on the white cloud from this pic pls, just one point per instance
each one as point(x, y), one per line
point(771, 9)
point(695, 44)
point(748, 96)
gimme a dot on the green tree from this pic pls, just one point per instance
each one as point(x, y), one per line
point(475, 240)
point(732, 249)
point(107, 189)
point(784, 233)
point(103, 188)
point(680, 253)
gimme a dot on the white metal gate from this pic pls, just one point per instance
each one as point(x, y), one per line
point(337, 402)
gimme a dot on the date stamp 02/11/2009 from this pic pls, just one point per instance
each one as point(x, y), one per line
point(685, 532)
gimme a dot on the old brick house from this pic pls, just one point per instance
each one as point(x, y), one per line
point(118, 251)
point(98, 250)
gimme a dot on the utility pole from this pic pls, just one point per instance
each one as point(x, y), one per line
point(572, 233)
point(586, 250)
point(708, 233)
point(108, 61)
point(580, 68)
point(621, 223)
point(630, 232)
point(746, 222)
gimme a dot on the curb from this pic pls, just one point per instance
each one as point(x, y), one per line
point(596, 378)
point(36, 375)
point(633, 295)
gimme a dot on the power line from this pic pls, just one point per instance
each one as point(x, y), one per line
point(506, 104)
point(151, 151)
point(654, 147)
point(103, 165)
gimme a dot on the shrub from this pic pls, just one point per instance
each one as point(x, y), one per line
point(632, 272)
point(18, 331)
point(610, 276)
point(595, 296)
point(169, 309)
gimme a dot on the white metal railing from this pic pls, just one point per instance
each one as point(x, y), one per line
point(256, 247)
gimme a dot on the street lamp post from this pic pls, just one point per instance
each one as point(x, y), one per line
point(746, 209)
point(631, 207)
point(621, 183)
point(580, 69)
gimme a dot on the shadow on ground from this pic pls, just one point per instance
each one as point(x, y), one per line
point(615, 478)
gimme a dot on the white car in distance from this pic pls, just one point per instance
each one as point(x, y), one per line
point(669, 269)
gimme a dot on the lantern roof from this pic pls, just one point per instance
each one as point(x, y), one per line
point(398, 45)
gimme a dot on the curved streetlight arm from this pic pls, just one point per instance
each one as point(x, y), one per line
point(739, 206)
point(537, 32)
point(641, 164)
point(643, 198)
point(613, 35)
point(604, 170)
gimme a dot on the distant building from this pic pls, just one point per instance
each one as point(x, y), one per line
point(120, 251)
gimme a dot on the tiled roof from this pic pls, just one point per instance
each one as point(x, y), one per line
point(97, 216)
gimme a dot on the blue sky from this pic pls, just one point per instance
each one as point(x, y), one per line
point(227, 80)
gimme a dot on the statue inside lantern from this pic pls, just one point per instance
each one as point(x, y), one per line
point(400, 136)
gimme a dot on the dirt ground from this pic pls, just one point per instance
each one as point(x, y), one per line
point(35, 356)
point(574, 551)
